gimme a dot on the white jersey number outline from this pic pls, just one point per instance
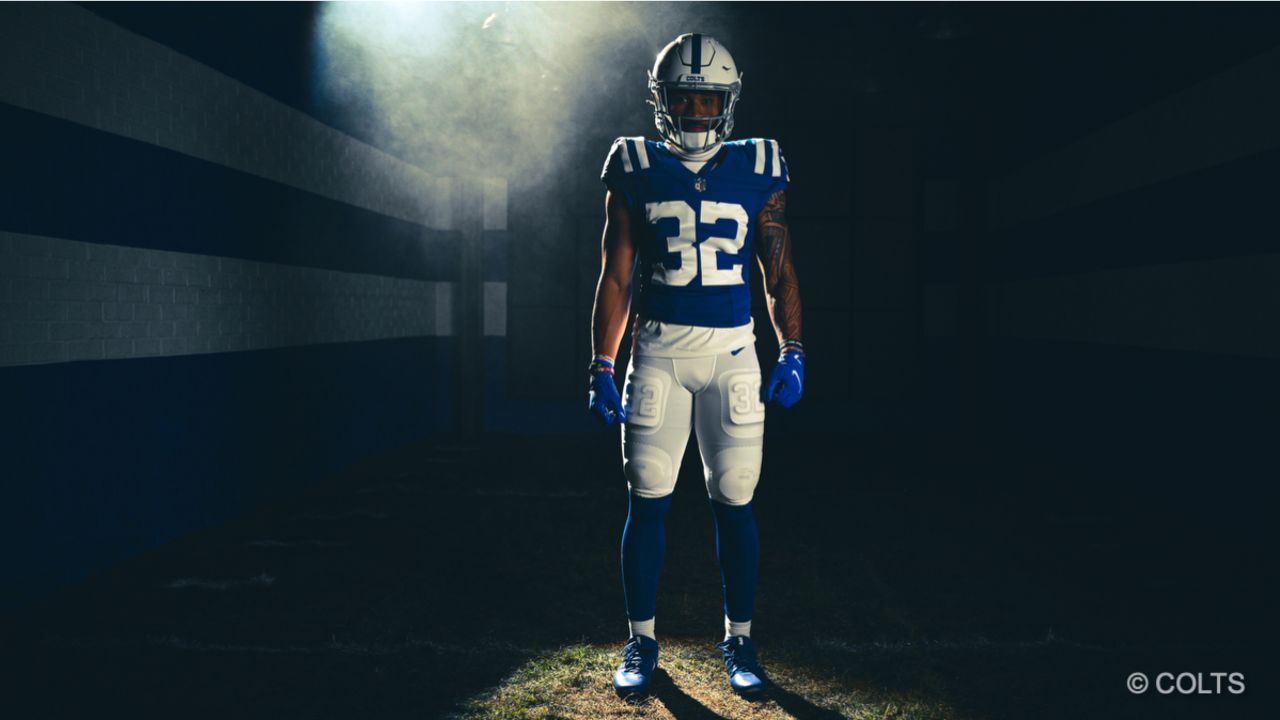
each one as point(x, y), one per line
point(685, 242)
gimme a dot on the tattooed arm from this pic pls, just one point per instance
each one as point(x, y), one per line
point(773, 249)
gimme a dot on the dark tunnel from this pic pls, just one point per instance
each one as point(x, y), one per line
point(295, 318)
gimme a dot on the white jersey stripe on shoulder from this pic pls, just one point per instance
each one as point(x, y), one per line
point(759, 155)
point(626, 156)
point(777, 168)
point(641, 152)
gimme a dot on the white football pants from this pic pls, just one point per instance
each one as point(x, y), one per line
point(718, 396)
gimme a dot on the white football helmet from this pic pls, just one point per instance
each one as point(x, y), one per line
point(699, 63)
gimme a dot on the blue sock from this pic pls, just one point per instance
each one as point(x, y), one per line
point(644, 542)
point(738, 548)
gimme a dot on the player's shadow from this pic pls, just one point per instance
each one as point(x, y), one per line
point(797, 706)
point(681, 706)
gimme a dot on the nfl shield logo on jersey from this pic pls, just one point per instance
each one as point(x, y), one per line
point(700, 184)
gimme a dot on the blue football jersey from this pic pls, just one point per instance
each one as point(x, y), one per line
point(694, 231)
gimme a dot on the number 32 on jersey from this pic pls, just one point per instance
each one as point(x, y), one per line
point(692, 253)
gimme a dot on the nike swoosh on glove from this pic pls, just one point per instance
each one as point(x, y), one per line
point(786, 382)
point(603, 399)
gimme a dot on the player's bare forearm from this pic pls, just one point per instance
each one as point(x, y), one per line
point(781, 287)
point(609, 317)
point(613, 291)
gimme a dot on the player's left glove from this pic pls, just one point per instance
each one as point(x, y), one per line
point(603, 397)
point(786, 382)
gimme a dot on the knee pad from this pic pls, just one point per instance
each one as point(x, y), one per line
point(733, 474)
point(649, 471)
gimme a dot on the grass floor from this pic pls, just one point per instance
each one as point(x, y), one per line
point(482, 581)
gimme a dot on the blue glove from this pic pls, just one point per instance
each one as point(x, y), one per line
point(786, 382)
point(603, 398)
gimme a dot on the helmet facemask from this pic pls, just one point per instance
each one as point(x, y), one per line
point(675, 129)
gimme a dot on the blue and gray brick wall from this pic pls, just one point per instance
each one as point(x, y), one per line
point(66, 300)
point(208, 298)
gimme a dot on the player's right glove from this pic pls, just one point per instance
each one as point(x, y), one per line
point(603, 397)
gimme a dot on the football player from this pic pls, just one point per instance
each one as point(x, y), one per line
point(686, 216)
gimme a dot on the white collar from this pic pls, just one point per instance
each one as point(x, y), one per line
point(701, 156)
